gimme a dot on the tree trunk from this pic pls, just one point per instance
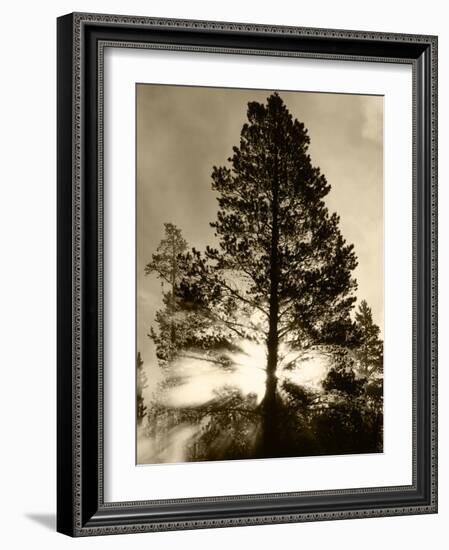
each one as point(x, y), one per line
point(269, 404)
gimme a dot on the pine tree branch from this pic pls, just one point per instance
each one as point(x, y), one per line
point(287, 309)
point(220, 410)
point(228, 323)
point(252, 276)
point(239, 297)
point(150, 270)
point(287, 329)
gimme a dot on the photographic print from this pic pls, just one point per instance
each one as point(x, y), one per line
point(259, 274)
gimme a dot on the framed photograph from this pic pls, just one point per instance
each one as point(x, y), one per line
point(247, 280)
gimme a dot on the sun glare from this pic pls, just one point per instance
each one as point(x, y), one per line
point(201, 378)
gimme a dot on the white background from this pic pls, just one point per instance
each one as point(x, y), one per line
point(123, 481)
point(28, 284)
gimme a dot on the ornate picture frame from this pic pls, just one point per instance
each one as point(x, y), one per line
point(81, 508)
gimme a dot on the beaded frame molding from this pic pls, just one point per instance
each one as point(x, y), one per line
point(81, 509)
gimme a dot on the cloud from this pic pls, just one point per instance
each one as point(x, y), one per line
point(372, 124)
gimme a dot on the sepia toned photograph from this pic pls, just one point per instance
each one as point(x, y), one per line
point(259, 274)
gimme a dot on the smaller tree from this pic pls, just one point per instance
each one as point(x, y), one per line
point(165, 263)
point(183, 324)
point(348, 417)
point(370, 351)
point(342, 376)
point(141, 385)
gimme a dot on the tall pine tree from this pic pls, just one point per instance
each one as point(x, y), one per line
point(282, 271)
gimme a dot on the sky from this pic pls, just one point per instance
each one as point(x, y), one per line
point(182, 132)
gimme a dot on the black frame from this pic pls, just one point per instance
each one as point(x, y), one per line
point(81, 509)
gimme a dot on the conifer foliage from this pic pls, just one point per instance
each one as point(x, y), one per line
point(279, 274)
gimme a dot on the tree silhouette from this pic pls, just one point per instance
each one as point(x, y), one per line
point(181, 324)
point(281, 272)
point(141, 384)
point(370, 350)
point(348, 416)
point(165, 263)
